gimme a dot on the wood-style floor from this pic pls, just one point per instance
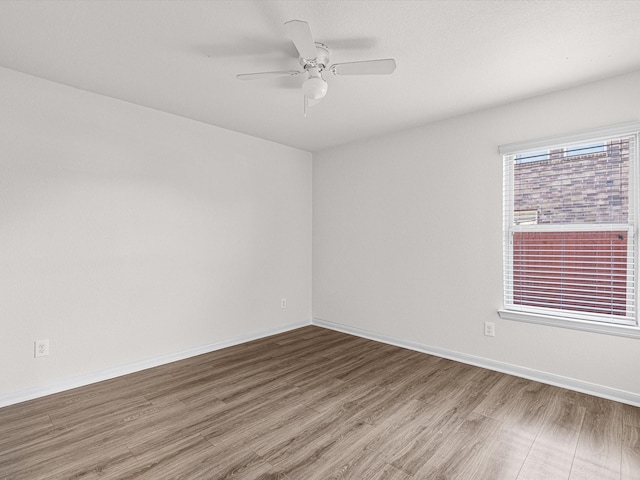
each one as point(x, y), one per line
point(317, 404)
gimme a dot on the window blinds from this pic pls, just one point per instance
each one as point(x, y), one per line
point(570, 228)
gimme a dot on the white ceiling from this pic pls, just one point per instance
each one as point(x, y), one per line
point(453, 57)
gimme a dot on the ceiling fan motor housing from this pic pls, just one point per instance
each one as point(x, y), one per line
point(320, 62)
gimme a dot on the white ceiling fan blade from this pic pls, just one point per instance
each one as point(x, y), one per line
point(261, 75)
point(300, 34)
point(368, 67)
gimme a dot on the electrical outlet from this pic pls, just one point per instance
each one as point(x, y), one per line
point(490, 329)
point(283, 303)
point(41, 348)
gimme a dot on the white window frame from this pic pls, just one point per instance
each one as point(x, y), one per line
point(546, 316)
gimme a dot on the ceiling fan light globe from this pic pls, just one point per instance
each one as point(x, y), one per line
point(315, 88)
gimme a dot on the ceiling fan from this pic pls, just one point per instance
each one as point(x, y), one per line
point(314, 59)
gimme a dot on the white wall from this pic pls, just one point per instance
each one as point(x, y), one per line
point(128, 234)
point(407, 238)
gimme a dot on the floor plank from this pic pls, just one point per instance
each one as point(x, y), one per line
point(552, 453)
point(630, 469)
point(599, 450)
point(465, 453)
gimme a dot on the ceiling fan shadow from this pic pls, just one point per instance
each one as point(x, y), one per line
point(352, 43)
point(247, 47)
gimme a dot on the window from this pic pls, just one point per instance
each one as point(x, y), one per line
point(532, 157)
point(587, 148)
point(570, 230)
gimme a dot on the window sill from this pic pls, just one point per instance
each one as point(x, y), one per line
point(608, 329)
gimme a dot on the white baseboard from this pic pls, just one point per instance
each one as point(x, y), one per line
point(110, 373)
point(531, 374)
